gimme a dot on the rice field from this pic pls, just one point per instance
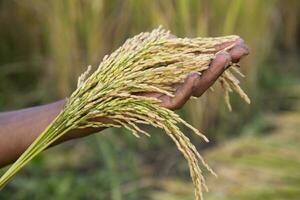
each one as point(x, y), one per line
point(46, 45)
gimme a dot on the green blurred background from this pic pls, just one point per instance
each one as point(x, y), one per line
point(46, 45)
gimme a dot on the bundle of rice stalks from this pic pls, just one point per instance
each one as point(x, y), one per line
point(149, 62)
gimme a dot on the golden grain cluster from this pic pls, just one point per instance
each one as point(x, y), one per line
point(149, 62)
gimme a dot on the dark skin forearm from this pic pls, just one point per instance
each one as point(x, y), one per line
point(18, 129)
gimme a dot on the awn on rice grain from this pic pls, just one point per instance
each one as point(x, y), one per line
point(149, 62)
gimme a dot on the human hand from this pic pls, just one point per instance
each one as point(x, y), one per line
point(195, 84)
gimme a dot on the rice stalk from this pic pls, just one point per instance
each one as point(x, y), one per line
point(149, 62)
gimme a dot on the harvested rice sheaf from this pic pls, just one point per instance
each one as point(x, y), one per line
point(149, 62)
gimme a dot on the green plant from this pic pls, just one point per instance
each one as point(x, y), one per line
point(149, 62)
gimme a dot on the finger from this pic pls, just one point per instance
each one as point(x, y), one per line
point(182, 94)
point(209, 76)
point(219, 64)
point(224, 45)
point(238, 51)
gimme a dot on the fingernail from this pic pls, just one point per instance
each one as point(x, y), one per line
point(195, 75)
point(198, 73)
point(226, 56)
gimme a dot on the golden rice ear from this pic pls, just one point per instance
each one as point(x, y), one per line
point(148, 62)
point(83, 76)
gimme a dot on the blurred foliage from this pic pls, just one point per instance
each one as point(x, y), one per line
point(255, 167)
point(45, 45)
